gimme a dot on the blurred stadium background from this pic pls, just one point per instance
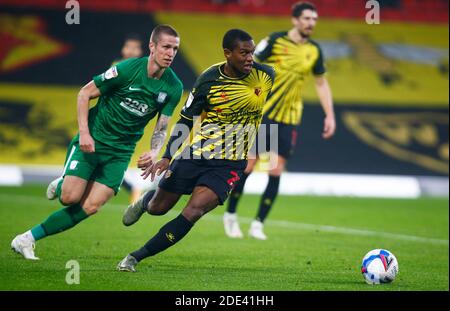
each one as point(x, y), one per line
point(389, 83)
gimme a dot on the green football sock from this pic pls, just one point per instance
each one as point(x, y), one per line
point(59, 221)
point(38, 232)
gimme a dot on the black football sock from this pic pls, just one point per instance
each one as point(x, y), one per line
point(268, 198)
point(127, 186)
point(168, 235)
point(147, 198)
point(235, 195)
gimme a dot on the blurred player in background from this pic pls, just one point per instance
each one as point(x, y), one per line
point(230, 97)
point(131, 94)
point(132, 47)
point(294, 56)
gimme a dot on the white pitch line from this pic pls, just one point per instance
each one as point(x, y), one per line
point(277, 223)
point(341, 230)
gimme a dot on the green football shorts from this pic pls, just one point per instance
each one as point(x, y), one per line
point(106, 165)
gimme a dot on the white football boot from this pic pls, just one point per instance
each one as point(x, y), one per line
point(127, 264)
point(134, 211)
point(256, 230)
point(231, 226)
point(24, 246)
point(51, 189)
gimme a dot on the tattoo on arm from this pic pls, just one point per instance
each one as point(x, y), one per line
point(160, 132)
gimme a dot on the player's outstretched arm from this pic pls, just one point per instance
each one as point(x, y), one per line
point(324, 93)
point(179, 134)
point(87, 92)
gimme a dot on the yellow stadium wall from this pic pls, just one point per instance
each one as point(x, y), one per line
point(352, 82)
point(59, 103)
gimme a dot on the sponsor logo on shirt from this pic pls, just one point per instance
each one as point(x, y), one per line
point(135, 107)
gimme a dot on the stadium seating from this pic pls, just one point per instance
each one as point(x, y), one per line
point(435, 11)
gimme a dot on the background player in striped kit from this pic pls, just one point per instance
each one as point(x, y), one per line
point(294, 56)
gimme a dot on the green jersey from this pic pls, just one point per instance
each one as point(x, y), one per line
point(129, 100)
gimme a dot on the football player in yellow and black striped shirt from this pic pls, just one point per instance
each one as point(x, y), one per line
point(294, 56)
point(229, 98)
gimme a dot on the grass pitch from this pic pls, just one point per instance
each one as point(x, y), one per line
point(315, 243)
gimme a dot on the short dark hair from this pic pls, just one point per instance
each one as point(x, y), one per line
point(133, 37)
point(232, 36)
point(299, 7)
point(160, 29)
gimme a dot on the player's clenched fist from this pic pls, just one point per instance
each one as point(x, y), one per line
point(87, 143)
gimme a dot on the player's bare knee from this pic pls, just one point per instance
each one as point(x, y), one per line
point(276, 172)
point(90, 210)
point(91, 207)
point(70, 198)
point(156, 209)
point(193, 213)
point(248, 170)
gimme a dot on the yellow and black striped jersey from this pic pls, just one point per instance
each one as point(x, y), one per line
point(230, 111)
point(293, 63)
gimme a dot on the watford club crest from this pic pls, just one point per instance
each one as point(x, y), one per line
point(168, 174)
point(258, 91)
point(415, 137)
point(25, 41)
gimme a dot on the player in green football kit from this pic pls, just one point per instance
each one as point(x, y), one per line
point(130, 93)
point(132, 47)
